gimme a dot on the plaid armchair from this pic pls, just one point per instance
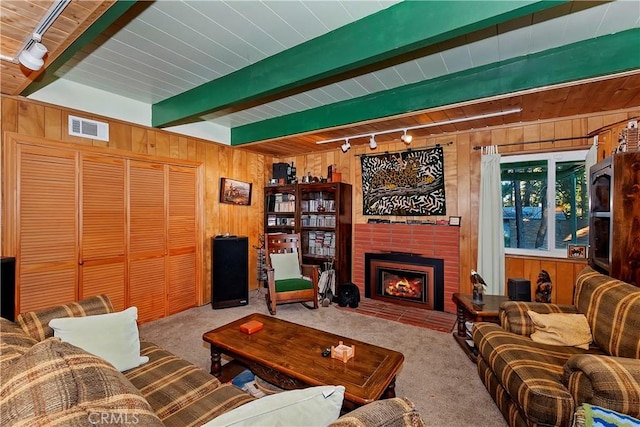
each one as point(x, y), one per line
point(540, 384)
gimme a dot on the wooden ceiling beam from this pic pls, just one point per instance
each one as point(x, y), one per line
point(587, 59)
point(408, 27)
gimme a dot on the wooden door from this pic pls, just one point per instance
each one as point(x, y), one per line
point(103, 228)
point(182, 238)
point(147, 239)
point(47, 232)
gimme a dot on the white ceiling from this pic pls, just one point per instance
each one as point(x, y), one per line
point(173, 46)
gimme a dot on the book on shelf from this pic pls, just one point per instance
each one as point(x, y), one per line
point(313, 220)
point(321, 243)
point(281, 202)
point(313, 205)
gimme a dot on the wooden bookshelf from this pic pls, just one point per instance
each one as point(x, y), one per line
point(321, 213)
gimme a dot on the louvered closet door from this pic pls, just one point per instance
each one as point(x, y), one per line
point(103, 228)
point(47, 227)
point(147, 239)
point(182, 238)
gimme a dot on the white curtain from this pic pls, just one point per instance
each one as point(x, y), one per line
point(490, 229)
point(590, 160)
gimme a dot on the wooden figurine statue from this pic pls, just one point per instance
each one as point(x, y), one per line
point(479, 286)
point(543, 288)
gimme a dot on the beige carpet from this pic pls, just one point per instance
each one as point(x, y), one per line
point(437, 376)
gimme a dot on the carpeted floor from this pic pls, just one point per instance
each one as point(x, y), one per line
point(430, 319)
point(436, 375)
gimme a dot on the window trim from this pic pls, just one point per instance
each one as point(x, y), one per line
point(552, 157)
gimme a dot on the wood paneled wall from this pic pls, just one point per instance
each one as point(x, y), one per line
point(462, 173)
point(462, 179)
point(27, 117)
point(563, 273)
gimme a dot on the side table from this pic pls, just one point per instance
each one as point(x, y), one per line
point(467, 310)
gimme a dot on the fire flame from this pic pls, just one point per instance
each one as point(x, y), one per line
point(403, 288)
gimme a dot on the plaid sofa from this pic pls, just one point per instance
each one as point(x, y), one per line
point(537, 384)
point(45, 382)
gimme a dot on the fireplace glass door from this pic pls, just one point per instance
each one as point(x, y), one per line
point(403, 284)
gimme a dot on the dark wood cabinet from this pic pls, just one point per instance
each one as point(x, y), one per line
point(614, 220)
point(321, 213)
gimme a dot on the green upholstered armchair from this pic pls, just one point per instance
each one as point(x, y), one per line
point(288, 279)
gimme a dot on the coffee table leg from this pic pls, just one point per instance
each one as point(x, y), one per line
point(216, 365)
point(461, 319)
point(390, 392)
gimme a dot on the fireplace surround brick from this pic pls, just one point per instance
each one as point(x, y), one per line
point(431, 241)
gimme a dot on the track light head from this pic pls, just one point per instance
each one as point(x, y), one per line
point(32, 57)
point(346, 146)
point(372, 142)
point(406, 138)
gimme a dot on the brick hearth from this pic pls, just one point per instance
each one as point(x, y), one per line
point(431, 241)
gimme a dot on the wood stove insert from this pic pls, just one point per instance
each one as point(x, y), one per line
point(405, 279)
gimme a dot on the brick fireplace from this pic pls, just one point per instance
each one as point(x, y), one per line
point(435, 242)
point(405, 279)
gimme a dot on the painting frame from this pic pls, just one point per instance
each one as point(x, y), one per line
point(576, 251)
point(455, 221)
point(404, 183)
point(235, 192)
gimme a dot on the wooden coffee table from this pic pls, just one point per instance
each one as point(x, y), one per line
point(290, 356)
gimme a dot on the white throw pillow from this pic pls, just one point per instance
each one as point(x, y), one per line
point(113, 337)
point(313, 406)
point(285, 266)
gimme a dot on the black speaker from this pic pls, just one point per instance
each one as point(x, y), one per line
point(8, 287)
point(229, 271)
point(281, 171)
point(519, 289)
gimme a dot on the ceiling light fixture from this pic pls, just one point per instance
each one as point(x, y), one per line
point(32, 52)
point(346, 146)
point(372, 142)
point(406, 138)
point(32, 57)
point(428, 125)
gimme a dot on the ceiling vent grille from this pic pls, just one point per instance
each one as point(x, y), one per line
point(86, 128)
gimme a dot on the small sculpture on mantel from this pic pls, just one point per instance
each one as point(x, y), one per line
point(479, 286)
point(543, 288)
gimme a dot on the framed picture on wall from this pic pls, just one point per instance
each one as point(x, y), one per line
point(576, 251)
point(235, 192)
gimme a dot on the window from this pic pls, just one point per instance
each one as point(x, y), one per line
point(544, 203)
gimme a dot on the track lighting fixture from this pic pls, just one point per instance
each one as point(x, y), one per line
point(32, 57)
point(406, 138)
point(32, 51)
point(372, 142)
